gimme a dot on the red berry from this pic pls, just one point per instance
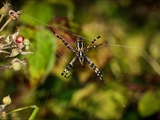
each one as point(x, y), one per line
point(19, 39)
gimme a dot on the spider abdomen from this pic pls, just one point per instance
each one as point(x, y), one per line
point(81, 55)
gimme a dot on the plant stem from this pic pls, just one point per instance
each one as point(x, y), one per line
point(9, 20)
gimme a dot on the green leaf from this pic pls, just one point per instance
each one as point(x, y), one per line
point(148, 104)
point(41, 61)
point(36, 13)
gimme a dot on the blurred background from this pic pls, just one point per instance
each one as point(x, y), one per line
point(128, 60)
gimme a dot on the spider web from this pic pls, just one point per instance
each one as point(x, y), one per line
point(88, 90)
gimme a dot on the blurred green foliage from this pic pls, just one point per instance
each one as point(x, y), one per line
point(129, 61)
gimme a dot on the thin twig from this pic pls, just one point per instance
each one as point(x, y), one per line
point(9, 20)
point(8, 47)
point(1, 51)
point(1, 17)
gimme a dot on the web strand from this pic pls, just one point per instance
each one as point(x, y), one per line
point(56, 28)
point(124, 46)
point(71, 33)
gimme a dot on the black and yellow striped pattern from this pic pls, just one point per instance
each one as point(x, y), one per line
point(80, 54)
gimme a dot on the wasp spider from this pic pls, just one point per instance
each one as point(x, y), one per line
point(80, 51)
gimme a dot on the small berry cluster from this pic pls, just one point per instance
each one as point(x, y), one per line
point(6, 101)
point(13, 44)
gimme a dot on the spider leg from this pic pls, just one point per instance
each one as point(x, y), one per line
point(65, 43)
point(69, 66)
point(95, 39)
point(99, 74)
point(95, 46)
